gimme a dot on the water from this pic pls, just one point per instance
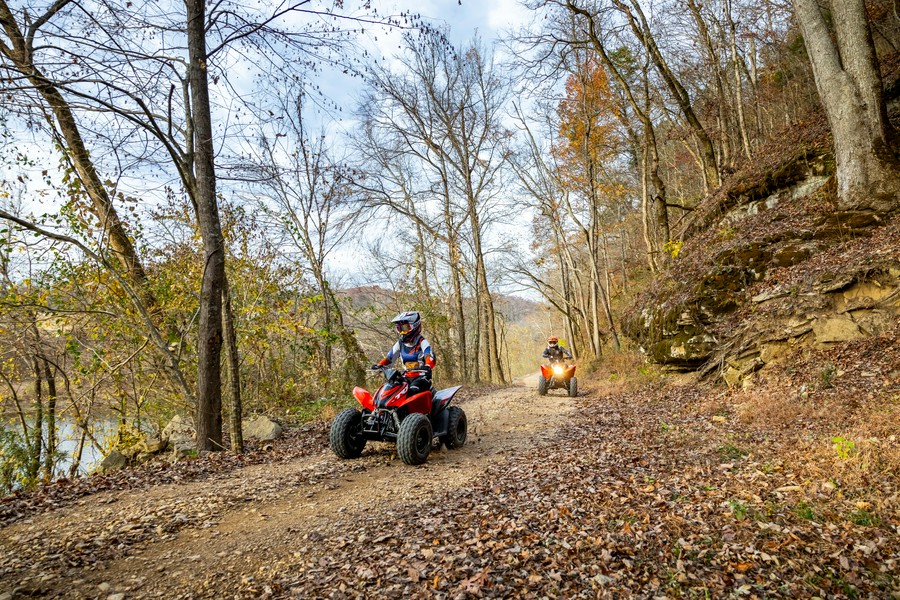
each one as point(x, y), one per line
point(68, 437)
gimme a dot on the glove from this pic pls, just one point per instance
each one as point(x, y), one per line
point(376, 366)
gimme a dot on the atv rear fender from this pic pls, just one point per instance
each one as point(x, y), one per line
point(443, 397)
point(440, 416)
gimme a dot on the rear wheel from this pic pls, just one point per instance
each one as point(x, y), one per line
point(346, 437)
point(542, 385)
point(414, 439)
point(457, 428)
point(573, 387)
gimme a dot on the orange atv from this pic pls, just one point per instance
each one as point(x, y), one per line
point(558, 375)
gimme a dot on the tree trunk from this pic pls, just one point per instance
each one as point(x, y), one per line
point(717, 76)
point(849, 83)
point(455, 265)
point(209, 369)
point(642, 113)
point(37, 430)
point(596, 338)
point(483, 293)
point(754, 81)
point(634, 14)
point(50, 454)
point(477, 352)
point(738, 83)
point(649, 241)
point(234, 371)
point(76, 456)
point(623, 255)
point(329, 325)
point(458, 312)
point(607, 309)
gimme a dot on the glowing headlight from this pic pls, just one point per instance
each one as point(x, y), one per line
point(558, 370)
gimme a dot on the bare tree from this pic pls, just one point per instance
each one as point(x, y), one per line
point(849, 83)
point(309, 194)
point(18, 53)
point(446, 107)
point(634, 14)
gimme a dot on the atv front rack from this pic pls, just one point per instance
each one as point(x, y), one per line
point(381, 424)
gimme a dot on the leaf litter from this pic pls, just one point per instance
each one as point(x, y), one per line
point(640, 493)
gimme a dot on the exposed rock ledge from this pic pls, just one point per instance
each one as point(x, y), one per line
point(770, 276)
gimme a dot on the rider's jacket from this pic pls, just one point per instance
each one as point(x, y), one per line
point(556, 353)
point(419, 352)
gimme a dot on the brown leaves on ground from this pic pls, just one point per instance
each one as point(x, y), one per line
point(643, 494)
point(662, 491)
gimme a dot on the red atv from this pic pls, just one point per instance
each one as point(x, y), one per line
point(412, 422)
point(558, 375)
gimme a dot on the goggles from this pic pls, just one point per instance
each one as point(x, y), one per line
point(403, 327)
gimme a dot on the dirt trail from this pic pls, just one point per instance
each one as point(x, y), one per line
point(173, 540)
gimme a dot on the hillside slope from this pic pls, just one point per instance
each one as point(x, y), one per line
point(769, 270)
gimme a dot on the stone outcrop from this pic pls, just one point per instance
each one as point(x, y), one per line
point(261, 428)
point(767, 275)
point(152, 444)
point(179, 437)
point(114, 461)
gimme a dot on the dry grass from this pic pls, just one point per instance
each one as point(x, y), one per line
point(833, 437)
point(620, 372)
point(783, 409)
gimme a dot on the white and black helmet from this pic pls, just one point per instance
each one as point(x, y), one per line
point(408, 325)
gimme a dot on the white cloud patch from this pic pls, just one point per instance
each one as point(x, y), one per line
point(506, 14)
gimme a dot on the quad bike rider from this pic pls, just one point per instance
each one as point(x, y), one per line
point(404, 409)
point(558, 373)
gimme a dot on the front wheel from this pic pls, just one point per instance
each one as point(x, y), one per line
point(414, 439)
point(345, 438)
point(542, 385)
point(573, 387)
point(457, 428)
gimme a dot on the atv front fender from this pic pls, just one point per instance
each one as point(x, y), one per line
point(364, 397)
point(420, 403)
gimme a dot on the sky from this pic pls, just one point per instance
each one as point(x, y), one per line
point(464, 19)
point(489, 19)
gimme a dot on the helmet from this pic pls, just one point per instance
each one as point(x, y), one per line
point(552, 341)
point(408, 325)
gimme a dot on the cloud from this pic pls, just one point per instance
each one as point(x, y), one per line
point(506, 14)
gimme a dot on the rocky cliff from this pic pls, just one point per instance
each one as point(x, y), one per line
point(769, 266)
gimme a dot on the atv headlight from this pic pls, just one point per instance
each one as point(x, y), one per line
point(558, 370)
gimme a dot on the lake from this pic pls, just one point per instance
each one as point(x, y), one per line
point(68, 436)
